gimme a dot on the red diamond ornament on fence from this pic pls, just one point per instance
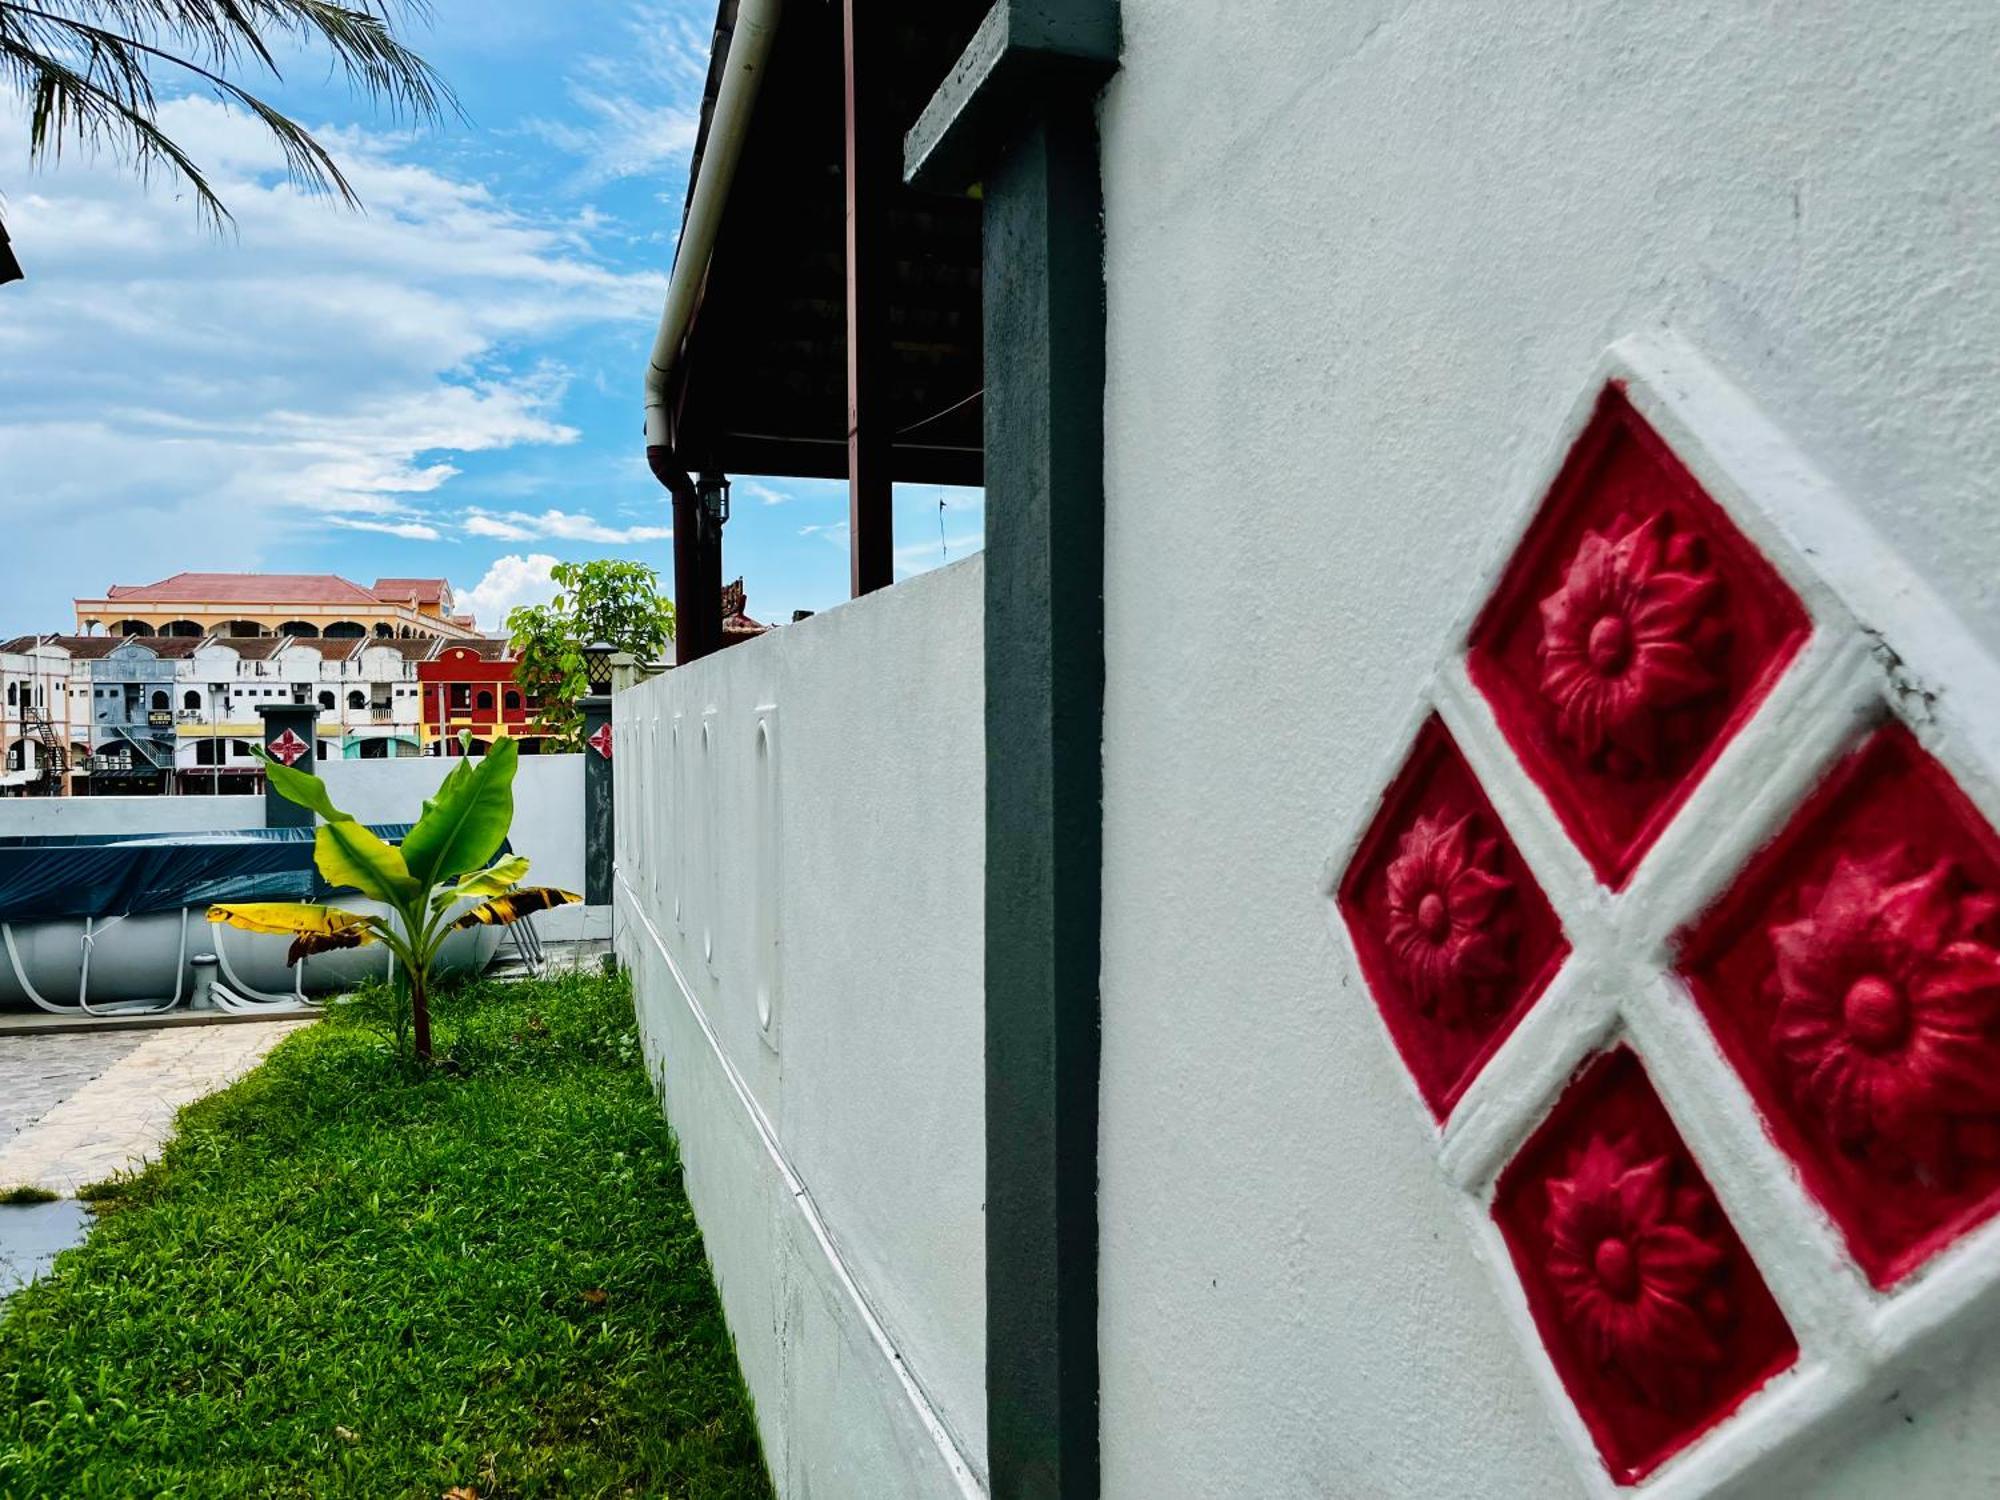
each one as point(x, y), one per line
point(289, 748)
point(1852, 976)
point(1656, 1319)
point(1633, 633)
point(1455, 937)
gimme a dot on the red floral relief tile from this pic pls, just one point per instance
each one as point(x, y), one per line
point(1652, 1311)
point(1633, 633)
point(1852, 975)
point(1456, 940)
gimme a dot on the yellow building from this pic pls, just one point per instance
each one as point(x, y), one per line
point(305, 605)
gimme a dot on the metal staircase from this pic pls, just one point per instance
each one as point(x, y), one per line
point(53, 759)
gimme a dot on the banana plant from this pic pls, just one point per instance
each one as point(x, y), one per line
point(447, 859)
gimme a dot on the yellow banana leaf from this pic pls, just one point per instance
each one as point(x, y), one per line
point(496, 879)
point(503, 911)
point(313, 929)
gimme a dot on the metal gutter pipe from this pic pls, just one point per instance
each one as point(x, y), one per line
point(735, 101)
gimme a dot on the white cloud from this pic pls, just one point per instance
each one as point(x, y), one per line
point(511, 580)
point(761, 492)
point(414, 531)
point(205, 401)
point(559, 525)
point(641, 105)
point(919, 557)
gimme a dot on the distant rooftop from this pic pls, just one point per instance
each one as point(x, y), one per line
point(248, 588)
point(416, 590)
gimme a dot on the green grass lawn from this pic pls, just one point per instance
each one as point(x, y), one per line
point(348, 1278)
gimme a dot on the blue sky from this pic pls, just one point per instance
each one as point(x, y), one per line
point(445, 385)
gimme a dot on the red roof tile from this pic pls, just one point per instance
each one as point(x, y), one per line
point(245, 588)
point(403, 590)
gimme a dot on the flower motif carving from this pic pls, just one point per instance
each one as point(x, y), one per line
point(1625, 640)
point(1887, 1006)
point(1635, 1274)
point(1446, 917)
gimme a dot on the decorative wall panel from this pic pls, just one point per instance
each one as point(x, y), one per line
point(1680, 909)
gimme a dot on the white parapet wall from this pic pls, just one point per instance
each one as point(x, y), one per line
point(548, 817)
point(800, 883)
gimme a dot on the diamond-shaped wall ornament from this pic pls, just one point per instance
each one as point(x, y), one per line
point(1852, 975)
point(1633, 633)
point(1653, 1313)
point(1454, 935)
point(1732, 1145)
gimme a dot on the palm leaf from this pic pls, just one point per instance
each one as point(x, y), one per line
point(84, 68)
point(504, 911)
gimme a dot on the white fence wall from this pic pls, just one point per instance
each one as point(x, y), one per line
point(548, 817)
point(800, 884)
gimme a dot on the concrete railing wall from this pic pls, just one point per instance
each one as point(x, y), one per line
point(548, 816)
point(799, 897)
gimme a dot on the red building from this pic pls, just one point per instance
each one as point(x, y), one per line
point(468, 687)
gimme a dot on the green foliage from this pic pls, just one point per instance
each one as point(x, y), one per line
point(27, 1193)
point(608, 600)
point(447, 857)
point(85, 70)
point(489, 1278)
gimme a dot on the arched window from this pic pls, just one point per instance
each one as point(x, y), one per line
point(326, 700)
point(485, 700)
point(161, 702)
point(345, 630)
point(383, 630)
point(299, 630)
point(191, 701)
point(240, 748)
point(513, 699)
point(357, 699)
point(13, 695)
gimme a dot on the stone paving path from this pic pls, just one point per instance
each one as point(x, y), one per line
point(76, 1109)
point(38, 1073)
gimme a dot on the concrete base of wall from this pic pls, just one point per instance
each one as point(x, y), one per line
point(838, 1411)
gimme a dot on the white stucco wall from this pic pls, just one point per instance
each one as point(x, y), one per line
point(79, 816)
point(800, 904)
point(1362, 261)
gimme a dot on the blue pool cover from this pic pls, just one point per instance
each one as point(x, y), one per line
point(43, 878)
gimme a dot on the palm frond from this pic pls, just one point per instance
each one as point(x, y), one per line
point(85, 69)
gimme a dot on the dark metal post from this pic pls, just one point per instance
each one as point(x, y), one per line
point(1017, 116)
point(291, 738)
point(873, 169)
point(599, 792)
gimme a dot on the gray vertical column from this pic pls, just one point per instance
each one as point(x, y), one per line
point(1018, 116)
point(291, 738)
point(599, 790)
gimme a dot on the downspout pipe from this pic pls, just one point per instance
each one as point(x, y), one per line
point(729, 126)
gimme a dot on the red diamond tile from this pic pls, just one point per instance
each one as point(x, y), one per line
point(1633, 633)
point(1456, 940)
point(1852, 975)
point(1652, 1311)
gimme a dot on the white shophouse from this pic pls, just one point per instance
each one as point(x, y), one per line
point(36, 749)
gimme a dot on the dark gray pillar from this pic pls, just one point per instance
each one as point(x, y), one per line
point(1018, 116)
point(290, 738)
point(599, 827)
